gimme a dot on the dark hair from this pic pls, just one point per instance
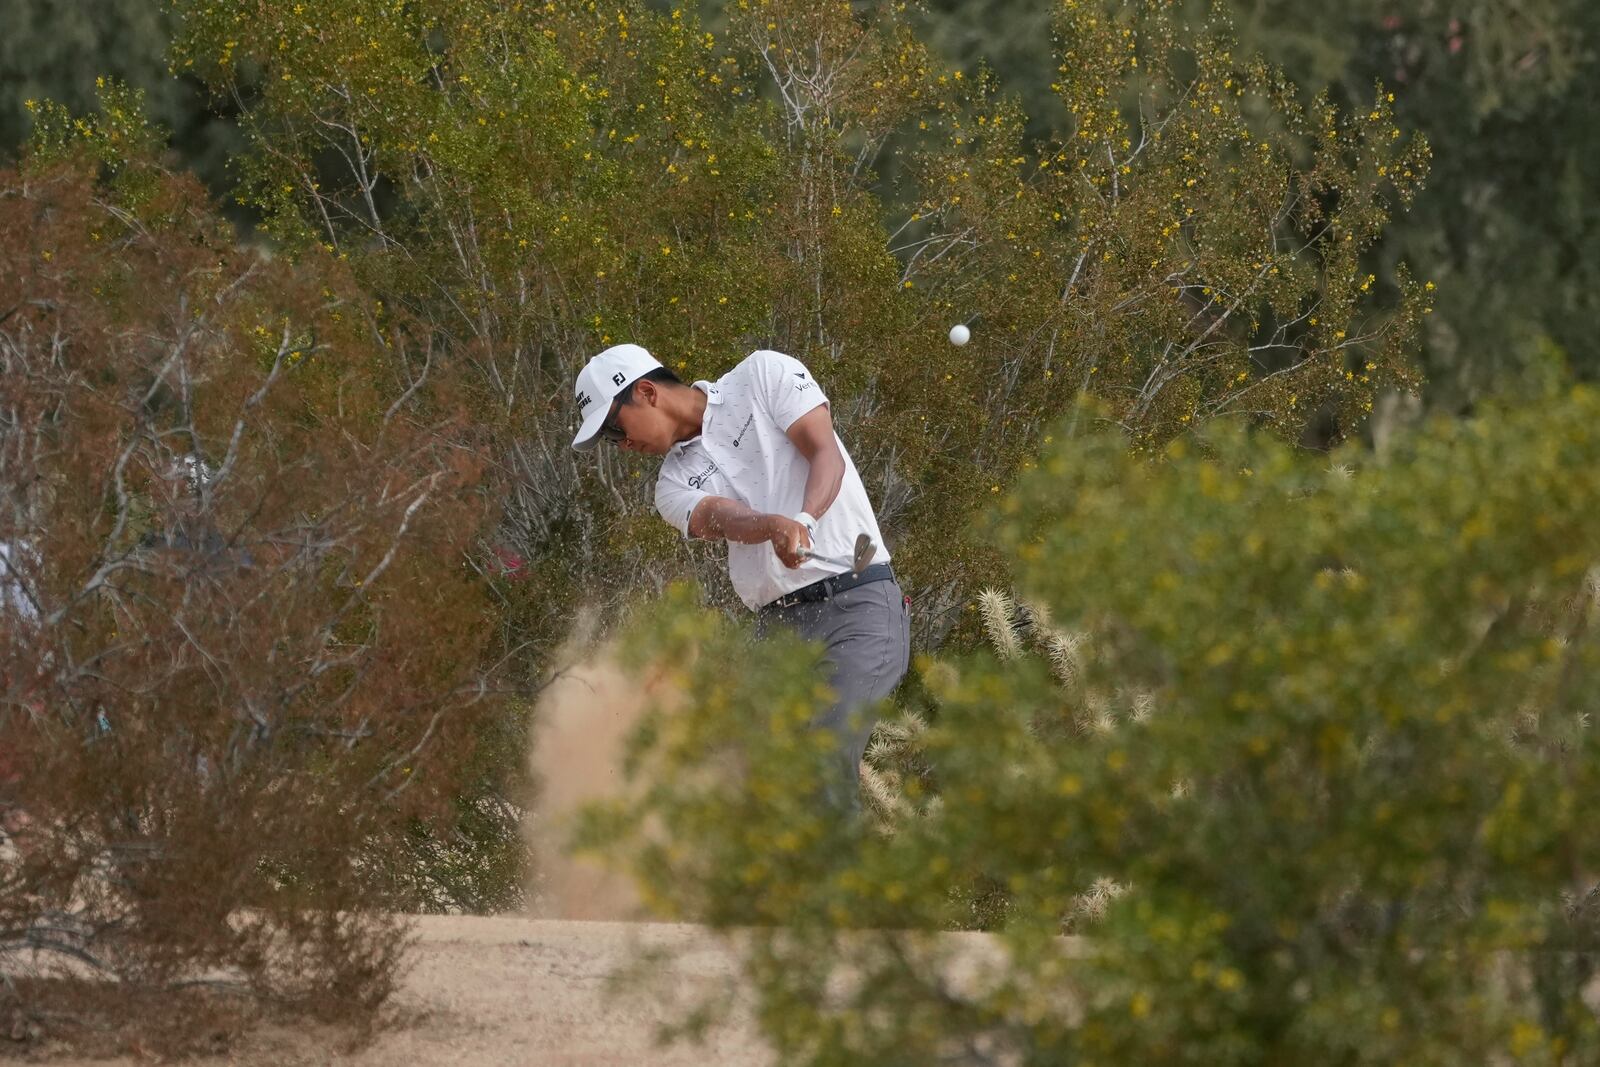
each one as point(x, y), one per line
point(660, 375)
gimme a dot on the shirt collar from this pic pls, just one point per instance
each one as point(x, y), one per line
point(713, 397)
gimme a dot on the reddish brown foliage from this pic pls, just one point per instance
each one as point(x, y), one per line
point(238, 649)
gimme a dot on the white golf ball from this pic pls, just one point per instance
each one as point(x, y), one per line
point(959, 335)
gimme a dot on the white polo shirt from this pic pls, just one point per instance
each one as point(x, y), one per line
point(743, 453)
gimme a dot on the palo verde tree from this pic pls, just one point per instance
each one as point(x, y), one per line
point(1501, 90)
point(1327, 806)
point(240, 651)
point(535, 181)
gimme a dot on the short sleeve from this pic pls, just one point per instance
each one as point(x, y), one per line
point(676, 499)
point(784, 387)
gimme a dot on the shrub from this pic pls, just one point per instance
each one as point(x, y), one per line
point(240, 651)
point(1332, 812)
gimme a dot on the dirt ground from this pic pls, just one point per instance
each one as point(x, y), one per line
point(485, 992)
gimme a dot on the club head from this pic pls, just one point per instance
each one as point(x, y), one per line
point(865, 550)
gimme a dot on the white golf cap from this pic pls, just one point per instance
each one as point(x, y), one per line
point(601, 379)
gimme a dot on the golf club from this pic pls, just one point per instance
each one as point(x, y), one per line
point(864, 552)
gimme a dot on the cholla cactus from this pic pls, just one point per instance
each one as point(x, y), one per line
point(1534, 729)
point(1064, 649)
point(1066, 657)
point(1037, 616)
point(1016, 627)
point(1095, 716)
point(1090, 905)
point(893, 755)
point(1000, 623)
point(880, 790)
point(1006, 632)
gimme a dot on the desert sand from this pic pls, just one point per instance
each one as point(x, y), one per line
point(539, 990)
point(516, 992)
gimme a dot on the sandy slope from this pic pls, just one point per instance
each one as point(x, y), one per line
point(485, 992)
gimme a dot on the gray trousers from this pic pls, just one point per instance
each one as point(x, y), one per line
point(865, 633)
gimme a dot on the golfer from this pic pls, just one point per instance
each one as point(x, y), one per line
point(753, 459)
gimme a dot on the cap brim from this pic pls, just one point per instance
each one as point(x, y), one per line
point(589, 432)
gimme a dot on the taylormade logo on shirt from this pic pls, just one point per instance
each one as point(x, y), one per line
point(743, 453)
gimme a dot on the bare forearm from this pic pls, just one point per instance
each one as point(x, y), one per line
point(822, 484)
point(719, 518)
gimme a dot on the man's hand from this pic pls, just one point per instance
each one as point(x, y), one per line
point(788, 537)
point(717, 516)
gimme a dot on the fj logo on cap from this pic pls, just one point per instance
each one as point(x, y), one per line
point(618, 378)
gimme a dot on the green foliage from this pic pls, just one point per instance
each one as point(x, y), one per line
point(1502, 90)
point(117, 139)
point(1332, 812)
point(55, 52)
point(535, 182)
point(60, 52)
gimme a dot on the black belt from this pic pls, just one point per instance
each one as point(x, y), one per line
point(827, 588)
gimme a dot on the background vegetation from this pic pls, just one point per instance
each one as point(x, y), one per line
point(235, 672)
point(1190, 241)
point(1299, 748)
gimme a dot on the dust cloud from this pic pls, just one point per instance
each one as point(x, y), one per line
point(580, 727)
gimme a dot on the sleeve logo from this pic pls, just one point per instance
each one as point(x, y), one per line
point(699, 480)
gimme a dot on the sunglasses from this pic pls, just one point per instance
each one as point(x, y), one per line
point(611, 430)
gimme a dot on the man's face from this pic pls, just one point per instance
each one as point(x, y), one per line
point(643, 426)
